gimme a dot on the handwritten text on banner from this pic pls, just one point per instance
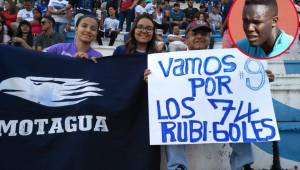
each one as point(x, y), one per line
point(209, 96)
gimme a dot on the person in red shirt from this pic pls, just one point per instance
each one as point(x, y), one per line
point(36, 23)
point(10, 13)
point(126, 12)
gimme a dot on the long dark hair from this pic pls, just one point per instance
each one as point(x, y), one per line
point(19, 34)
point(41, 15)
point(2, 21)
point(2, 32)
point(131, 44)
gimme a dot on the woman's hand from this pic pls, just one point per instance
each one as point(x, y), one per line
point(270, 75)
point(83, 55)
point(18, 40)
point(147, 72)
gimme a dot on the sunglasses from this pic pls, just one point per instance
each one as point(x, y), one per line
point(43, 22)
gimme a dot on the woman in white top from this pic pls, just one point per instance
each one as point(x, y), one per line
point(158, 19)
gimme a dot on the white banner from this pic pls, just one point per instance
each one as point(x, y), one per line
point(209, 96)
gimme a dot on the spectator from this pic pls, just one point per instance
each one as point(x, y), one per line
point(109, 3)
point(166, 14)
point(190, 11)
point(43, 6)
point(61, 14)
point(198, 37)
point(227, 42)
point(23, 14)
point(159, 19)
point(175, 36)
point(111, 26)
point(140, 8)
point(178, 17)
point(36, 23)
point(167, 8)
point(199, 18)
point(49, 36)
point(4, 37)
point(1, 5)
point(226, 5)
point(24, 36)
point(10, 14)
point(142, 37)
point(86, 31)
point(83, 7)
point(26, 13)
point(160, 44)
point(203, 8)
point(126, 12)
point(215, 19)
point(150, 6)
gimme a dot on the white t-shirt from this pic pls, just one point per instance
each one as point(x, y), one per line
point(111, 23)
point(57, 5)
point(139, 9)
point(150, 8)
point(25, 15)
point(215, 19)
point(159, 18)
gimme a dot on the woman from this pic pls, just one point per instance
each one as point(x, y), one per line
point(159, 19)
point(85, 33)
point(36, 23)
point(141, 37)
point(4, 38)
point(24, 36)
point(199, 18)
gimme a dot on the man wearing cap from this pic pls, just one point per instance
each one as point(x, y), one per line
point(198, 38)
point(263, 38)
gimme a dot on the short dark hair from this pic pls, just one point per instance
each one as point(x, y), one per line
point(111, 6)
point(175, 25)
point(176, 4)
point(49, 18)
point(272, 4)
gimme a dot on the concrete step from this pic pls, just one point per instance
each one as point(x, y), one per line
point(286, 82)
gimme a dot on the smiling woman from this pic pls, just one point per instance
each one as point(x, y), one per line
point(86, 31)
point(141, 37)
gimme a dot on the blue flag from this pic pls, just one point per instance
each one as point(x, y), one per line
point(60, 113)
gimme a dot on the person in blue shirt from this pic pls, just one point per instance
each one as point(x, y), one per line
point(43, 6)
point(177, 16)
point(263, 38)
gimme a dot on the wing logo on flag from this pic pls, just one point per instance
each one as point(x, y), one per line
point(52, 92)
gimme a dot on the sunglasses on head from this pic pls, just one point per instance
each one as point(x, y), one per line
point(43, 22)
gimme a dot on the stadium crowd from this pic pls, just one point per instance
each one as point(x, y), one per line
point(42, 23)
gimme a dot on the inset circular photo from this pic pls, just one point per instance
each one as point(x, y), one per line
point(263, 29)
